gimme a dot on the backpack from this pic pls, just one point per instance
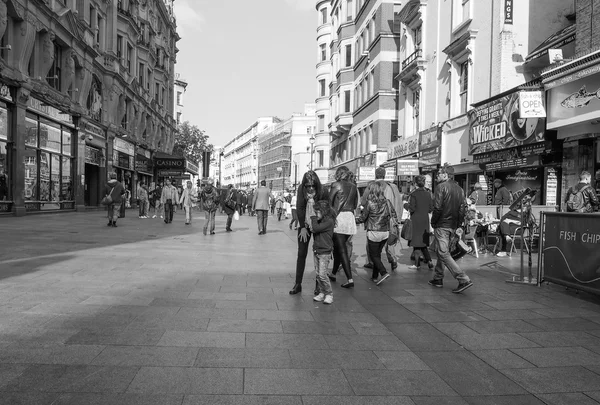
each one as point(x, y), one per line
point(576, 202)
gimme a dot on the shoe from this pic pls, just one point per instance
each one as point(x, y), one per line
point(228, 230)
point(374, 280)
point(114, 225)
point(140, 217)
point(331, 277)
point(290, 226)
point(153, 216)
point(462, 286)
point(296, 289)
point(109, 223)
point(394, 266)
point(212, 233)
point(383, 278)
point(187, 223)
point(328, 299)
point(436, 283)
point(414, 267)
point(430, 264)
point(204, 231)
point(368, 266)
point(501, 254)
point(348, 285)
point(166, 222)
point(319, 298)
point(161, 217)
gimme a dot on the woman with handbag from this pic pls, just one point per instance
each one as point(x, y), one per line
point(113, 199)
point(343, 198)
point(376, 215)
point(420, 205)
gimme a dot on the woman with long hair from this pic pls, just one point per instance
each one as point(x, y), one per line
point(309, 191)
point(377, 214)
point(343, 198)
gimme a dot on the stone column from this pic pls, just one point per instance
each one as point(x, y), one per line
point(19, 133)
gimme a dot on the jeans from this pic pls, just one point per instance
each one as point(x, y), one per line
point(113, 211)
point(229, 220)
point(261, 217)
point(209, 223)
point(144, 205)
point(157, 207)
point(442, 238)
point(340, 254)
point(301, 259)
point(188, 214)
point(375, 249)
point(321, 264)
point(168, 212)
point(390, 252)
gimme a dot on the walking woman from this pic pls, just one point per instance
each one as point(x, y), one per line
point(309, 191)
point(420, 205)
point(343, 198)
point(116, 191)
point(376, 215)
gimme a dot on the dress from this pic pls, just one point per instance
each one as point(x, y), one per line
point(419, 206)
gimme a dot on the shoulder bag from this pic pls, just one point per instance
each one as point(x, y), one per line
point(394, 231)
point(107, 200)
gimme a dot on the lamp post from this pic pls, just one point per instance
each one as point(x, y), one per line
point(312, 149)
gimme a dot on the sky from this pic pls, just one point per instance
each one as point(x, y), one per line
point(245, 59)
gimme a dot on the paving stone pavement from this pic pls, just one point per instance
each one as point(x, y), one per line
point(150, 313)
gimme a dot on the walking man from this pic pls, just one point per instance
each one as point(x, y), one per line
point(449, 210)
point(186, 200)
point(168, 198)
point(229, 206)
point(210, 203)
point(260, 204)
point(143, 201)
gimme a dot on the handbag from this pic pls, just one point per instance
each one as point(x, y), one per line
point(406, 232)
point(107, 200)
point(394, 231)
point(458, 248)
point(236, 215)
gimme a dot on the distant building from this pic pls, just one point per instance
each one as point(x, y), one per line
point(178, 106)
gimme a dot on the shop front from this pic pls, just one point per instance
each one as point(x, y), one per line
point(430, 152)
point(169, 167)
point(507, 139)
point(95, 177)
point(404, 155)
point(143, 167)
point(574, 112)
point(5, 156)
point(48, 158)
point(124, 165)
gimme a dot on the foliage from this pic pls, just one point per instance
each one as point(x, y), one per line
point(190, 142)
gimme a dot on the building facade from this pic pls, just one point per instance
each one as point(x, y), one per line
point(178, 106)
point(239, 161)
point(86, 88)
point(285, 151)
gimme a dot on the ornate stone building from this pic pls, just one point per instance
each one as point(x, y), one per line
point(86, 87)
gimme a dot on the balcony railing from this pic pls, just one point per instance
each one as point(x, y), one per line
point(411, 58)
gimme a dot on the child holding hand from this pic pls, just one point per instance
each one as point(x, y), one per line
point(322, 224)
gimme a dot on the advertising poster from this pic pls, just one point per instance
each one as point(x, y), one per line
point(574, 101)
point(498, 125)
point(551, 187)
point(519, 179)
point(571, 251)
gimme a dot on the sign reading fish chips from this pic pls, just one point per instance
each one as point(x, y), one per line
point(498, 125)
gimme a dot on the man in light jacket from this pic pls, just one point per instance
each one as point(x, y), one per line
point(168, 198)
point(186, 200)
point(260, 204)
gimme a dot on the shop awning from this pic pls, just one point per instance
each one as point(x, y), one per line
point(554, 41)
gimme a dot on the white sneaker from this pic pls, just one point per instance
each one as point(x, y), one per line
point(153, 216)
point(161, 217)
point(328, 299)
point(501, 254)
point(319, 298)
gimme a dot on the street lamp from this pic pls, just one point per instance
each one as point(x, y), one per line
point(312, 149)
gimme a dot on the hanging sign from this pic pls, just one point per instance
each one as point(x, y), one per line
point(366, 173)
point(531, 104)
point(404, 147)
point(508, 12)
point(407, 167)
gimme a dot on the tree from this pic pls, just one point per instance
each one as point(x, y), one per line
point(190, 142)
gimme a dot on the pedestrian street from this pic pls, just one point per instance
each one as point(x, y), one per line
point(155, 313)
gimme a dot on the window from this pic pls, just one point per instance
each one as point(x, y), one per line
point(53, 78)
point(91, 14)
point(119, 4)
point(141, 71)
point(464, 87)
point(416, 110)
point(394, 131)
point(156, 90)
point(178, 118)
point(367, 92)
point(372, 83)
point(320, 158)
point(148, 77)
point(366, 33)
point(418, 37)
point(347, 101)
point(321, 123)
point(373, 29)
point(349, 11)
point(99, 26)
point(322, 89)
point(120, 48)
point(395, 72)
point(129, 57)
point(466, 10)
point(348, 56)
point(324, 15)
point(323, 48)
point(179, 98)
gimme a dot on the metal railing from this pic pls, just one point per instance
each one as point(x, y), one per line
point(412, 57)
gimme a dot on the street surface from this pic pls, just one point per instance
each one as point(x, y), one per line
point(149, 313)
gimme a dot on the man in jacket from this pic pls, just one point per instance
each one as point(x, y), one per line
point(229, 206)
point(449, 209)
point(210, 202)
point(589, 199)
point(169, 197)
point(186, 200)
point(393, 194)
point(143, 201)
point(502, 196)
point(116, 190)
point(260, 204)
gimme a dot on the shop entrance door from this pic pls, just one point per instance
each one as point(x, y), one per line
point(92, 187)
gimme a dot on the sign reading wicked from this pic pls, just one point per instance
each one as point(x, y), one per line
point(571, 250)
point(497, 125)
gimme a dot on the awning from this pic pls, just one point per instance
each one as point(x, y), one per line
point(556, 40)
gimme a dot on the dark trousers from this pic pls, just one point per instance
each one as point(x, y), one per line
point(424, 251)
point(294, 218)
point(375, 249)
point(301, 259)
point(229, 220)
point(261, 217)
point(340, 254)
point(168, 212)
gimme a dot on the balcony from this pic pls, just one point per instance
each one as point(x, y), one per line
point(411, 66)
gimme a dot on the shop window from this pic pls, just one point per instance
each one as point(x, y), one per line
point(67, 179)
point(4, 165)
point(32, 131)
point(31, 174)
point(66, 142)
point(50, 136)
